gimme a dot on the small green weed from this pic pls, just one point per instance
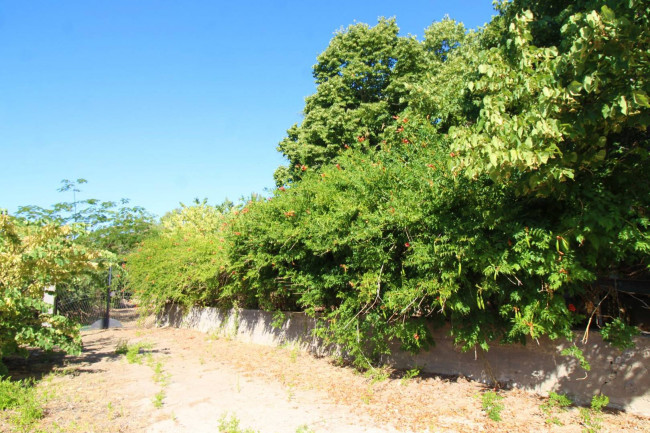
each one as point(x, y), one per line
point(159, 375)
point(304, 429)
point(591, 418)
point(158, 399)
point(409, 374)
point(491, 402)
point(231, 425)
point(291, 393)
point(293, 355)
point(132, 351)
point(122, 346)
point(378, 374)
point(554, 403)
point(294, 349)
point(367, 396)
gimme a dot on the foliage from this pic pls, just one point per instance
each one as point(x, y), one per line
point(577, 353)
point(231, 425)
point(591, 418)
point(132, 352)
point(110, 229)
point(565, 126)
point(107, 225)
point(33, 257)
point(491, 403)
point(184, 261)
point(555, 402)
point(472, 178)
point(357, 245)
point(362, 80)
point(619, 334)
point(20, 398)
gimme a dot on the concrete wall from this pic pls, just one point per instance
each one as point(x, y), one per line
point(538, 366)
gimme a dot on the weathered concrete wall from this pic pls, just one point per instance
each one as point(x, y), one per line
point(538, 366)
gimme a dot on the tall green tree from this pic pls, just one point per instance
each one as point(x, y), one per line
point(360, 79)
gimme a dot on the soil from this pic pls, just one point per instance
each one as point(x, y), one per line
point(186, 381)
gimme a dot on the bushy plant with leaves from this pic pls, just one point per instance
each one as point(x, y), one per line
point(184, 262)
point(32, 258)
point(480, 186)
point(491, 201)
point(377, 243)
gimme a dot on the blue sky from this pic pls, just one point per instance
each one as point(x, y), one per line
point(164, 101)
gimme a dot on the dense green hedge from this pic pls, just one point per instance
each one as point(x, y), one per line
point(501, 172)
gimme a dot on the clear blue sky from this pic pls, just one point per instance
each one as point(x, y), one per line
point(164, 101)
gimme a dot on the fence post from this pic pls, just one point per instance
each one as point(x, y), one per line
point(107, 315)
point(49, 298)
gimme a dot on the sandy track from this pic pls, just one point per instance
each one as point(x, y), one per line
point(199, 379)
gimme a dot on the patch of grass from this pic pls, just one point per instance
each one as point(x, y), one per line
point(338, 361)
point(491, 402)
point(378, 374)
point(21, 402)
point(304, 429)
point(132, 352)
point(231, 425)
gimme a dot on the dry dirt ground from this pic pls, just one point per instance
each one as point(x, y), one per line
point(186, 381)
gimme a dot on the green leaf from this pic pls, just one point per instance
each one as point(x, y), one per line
point(606, 110)
point(623, 104)
point(641, 98)
point(574, 88)
point(607, 13)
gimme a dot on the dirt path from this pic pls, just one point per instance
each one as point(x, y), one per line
point(185, 381)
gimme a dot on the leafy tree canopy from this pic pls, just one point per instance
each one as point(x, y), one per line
point(483, 178)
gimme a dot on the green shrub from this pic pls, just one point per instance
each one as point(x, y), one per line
point(487, 198)
point(184, 262)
